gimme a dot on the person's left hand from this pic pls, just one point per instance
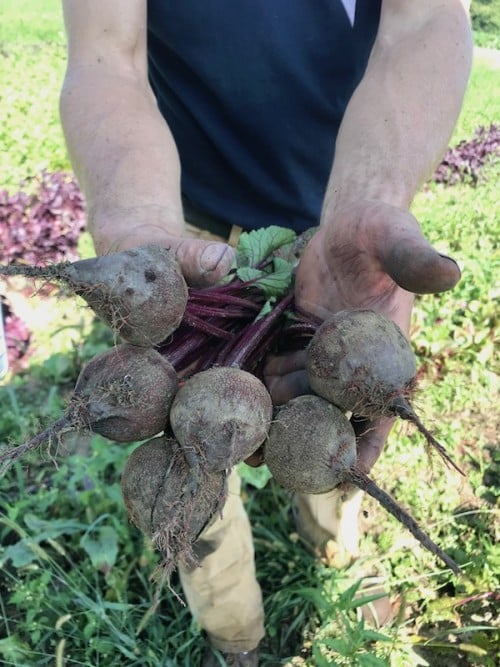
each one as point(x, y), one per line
point(369, 255)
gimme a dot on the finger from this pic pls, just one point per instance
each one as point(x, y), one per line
point(203, 263)
point(256, 459)
point(285, 387)
point(371, 436)
point(285, 363)
point(420, 269)
point(411, 261)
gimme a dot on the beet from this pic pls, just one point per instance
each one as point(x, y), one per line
point(221, 416)
point(157, 492)
point(360, 361)
point(140, 293)
point(123, 394)
point(311, 448)
point(293, 442)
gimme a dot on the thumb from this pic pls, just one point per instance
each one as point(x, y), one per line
point(409, 259)
point(203, 263)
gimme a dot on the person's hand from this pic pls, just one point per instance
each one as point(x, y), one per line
point(369, 255)
point(202, 263)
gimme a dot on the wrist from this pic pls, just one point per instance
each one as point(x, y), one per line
point(367, 221)
point(342, 207)
point(127, 227)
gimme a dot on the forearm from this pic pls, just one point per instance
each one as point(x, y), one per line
point(123, 155)
point(399, 120)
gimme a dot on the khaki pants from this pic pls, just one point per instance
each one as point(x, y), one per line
point(223, 593)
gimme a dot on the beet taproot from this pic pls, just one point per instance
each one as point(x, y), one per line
point(361, 361)
point(140, 293)
point(157, 492)
point(309, 457)
point(123, 394)
point(221, 416)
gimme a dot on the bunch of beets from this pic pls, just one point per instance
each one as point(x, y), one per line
point(185, 377)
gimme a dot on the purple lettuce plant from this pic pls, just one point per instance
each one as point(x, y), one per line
point(463, 162)
point(17, 336)
point(41, 223)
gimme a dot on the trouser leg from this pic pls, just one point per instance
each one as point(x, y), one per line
point(329, 525)
point(222, 593)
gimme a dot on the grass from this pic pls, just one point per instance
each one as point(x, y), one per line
point(74, 575)
point(31, 22)
point(485, 16)
point(32, 62)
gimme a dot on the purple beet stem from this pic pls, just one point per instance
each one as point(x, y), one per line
point(226, 333)
point(206, 326)
point(362, 481)
point(182, 346)
point(254, 336)
point(202, 310)
point(210, 296)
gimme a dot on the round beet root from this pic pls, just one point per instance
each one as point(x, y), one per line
point(360, 361)
point(310, 443)
point(221, 416)
point(140, 293)
point(123, 394)
point(157, 491)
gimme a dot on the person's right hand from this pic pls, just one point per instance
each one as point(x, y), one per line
point(202, 263)
point(371, 255)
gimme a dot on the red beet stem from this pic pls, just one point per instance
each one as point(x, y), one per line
point(202, 310)
point(206, 327)
point(308, 317)
point(211, 296)
point(301, 329)
point(254, 336)
point(177, 351)
point(362, 481)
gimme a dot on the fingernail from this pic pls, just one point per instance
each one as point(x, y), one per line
point(447, 257)
point(454, 273)
point(216, 256)
point(453, 261)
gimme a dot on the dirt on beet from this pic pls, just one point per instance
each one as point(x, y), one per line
point(167, 503)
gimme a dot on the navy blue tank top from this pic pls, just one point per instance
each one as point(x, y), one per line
point(254, 92)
